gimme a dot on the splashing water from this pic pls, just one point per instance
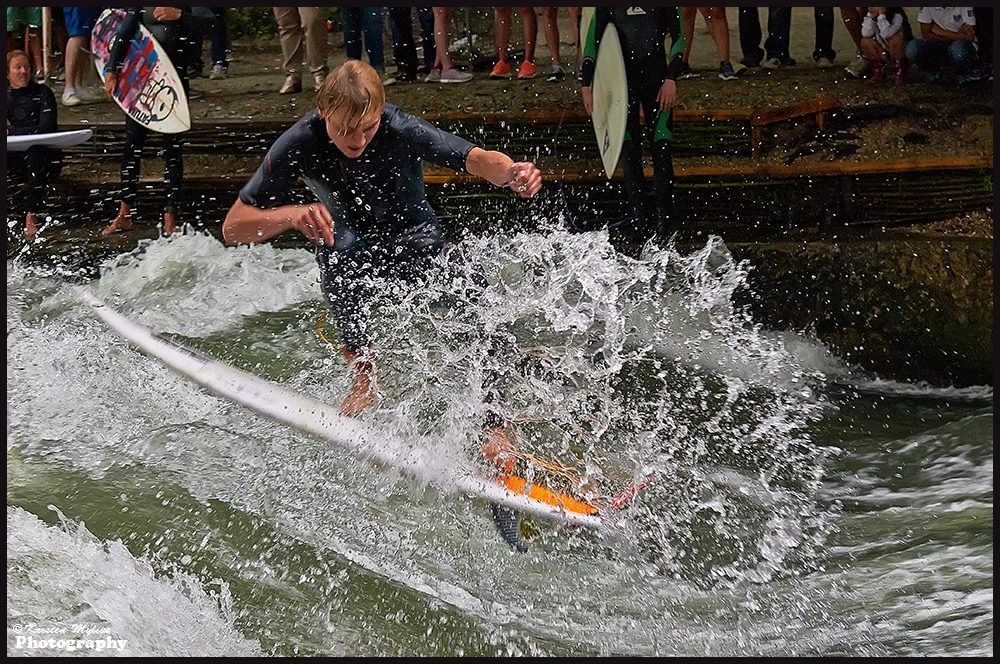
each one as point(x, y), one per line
point(615, 368)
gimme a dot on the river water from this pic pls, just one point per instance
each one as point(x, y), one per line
point(795, 507)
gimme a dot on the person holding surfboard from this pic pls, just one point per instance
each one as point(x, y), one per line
point(172, 28)
point(651, 74)
point(31, 109)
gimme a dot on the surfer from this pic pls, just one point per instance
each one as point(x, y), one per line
point(172, 28)
point(31, 109)
point(652, 85)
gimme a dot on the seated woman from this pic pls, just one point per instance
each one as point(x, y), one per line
point(31, 109)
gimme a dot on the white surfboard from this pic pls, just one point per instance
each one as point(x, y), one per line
point(610, 91)
point(149, 89)
point(317, 418)
point(56, 139)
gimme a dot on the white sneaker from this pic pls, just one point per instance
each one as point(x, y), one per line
point(455, 76)
point(318, 79)
point(71, 98)
point(218, 72)
point(91, 94)
point(434, 76)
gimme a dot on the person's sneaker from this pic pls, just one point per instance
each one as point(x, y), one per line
point(527, 70)
point(386, 80)
point(318, 79)
point(88, 94)
point(750, 63)
point(857, 68)
point(434, 76)
point(771, 63)
point(824, 63)
point(59, 76)
point(556, 74)
point(70, 98)
point(726, 71)
point(195, 94)
point(455, 75)
point(292, 85)
point(219, 71)
point(687, 72)
point(501, 70)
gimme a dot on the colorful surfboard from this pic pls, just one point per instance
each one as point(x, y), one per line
point(610, 91)
point(149, 89)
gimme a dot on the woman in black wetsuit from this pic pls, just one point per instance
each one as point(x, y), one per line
point(31, 109)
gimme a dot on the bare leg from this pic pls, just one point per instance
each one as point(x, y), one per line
point(30, 227)
point(169, 223)
point(501, 23)
point(529, 28)
point(688, 14)
point(552, 33)
point(442, 37)
point(718, 28)
point(122, 222)
point(574, 20)
point(364, 389)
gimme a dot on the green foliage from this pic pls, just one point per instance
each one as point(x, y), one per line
point(259, 23)
point(251, 23)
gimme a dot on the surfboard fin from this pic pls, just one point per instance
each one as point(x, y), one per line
point(507, 521)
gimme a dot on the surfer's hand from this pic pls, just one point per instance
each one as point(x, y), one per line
point(524, 178)
point(110, 83)
point(667, 96)
point(315, 222)
point(167, 13)
point(588, 99)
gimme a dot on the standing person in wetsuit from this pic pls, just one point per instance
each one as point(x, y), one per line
point(173, 28)
point(31, 109)
point(652, 85)
point(362, 159)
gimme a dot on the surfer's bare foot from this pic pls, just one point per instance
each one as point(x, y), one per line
point(122, 222)
point(30, 227)
point(499, 448)
point(364, 391)
point(169, 223)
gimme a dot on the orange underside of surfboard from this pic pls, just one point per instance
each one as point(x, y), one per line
point(520, 485)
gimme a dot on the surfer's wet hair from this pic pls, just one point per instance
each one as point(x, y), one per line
point(354, 91)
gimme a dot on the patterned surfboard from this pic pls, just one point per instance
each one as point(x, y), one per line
point(149, 89)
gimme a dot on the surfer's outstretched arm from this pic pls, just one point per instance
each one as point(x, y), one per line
point(247, 224)
point(523, 177)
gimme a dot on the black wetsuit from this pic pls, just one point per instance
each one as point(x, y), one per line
point(383, 224)
point(643, 32)
point(32, 110)
point(174, 37)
